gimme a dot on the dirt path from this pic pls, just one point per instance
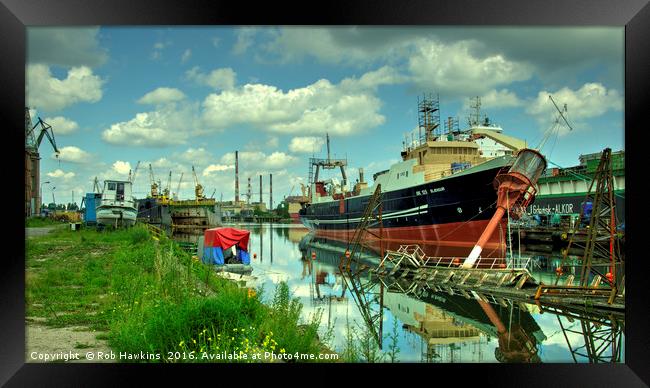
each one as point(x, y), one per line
point(35, 232)
point(59, 342)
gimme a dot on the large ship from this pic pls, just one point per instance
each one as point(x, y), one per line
point(441, 193)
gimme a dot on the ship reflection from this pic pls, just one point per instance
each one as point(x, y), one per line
point(443, 321)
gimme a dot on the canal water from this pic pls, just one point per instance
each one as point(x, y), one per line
point(432, 327)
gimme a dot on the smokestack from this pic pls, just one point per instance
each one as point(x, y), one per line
point(248, 194)
point(236, 176)
point(261, 189)
point(360, 175)
point(270, 192)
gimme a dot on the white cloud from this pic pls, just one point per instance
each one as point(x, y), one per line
point(453, 70)
point(61, 125)
point(197, 156)
point(162, 95)
point(591, 100)
point(65, 46)
point(51, 94)
point(308, 144)
point(503, 98)
point(169, 125)
point(73, 154)
point(158, 48)
point(259, 159)
point(245, 38)
point(121, 167)
point(218, 78)
point(58, 173)
point(187, 54)
point(217, 168)
point(343, 109)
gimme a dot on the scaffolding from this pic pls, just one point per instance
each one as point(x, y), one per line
point(428, 118)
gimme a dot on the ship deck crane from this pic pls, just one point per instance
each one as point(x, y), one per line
point(198, 189)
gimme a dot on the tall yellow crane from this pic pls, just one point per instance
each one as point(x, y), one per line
point(198, 189)
point(154, 185)
point(169, 185)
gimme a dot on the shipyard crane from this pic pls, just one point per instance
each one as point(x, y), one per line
point(32, 161)
point(154, 185)
point(96, 188)
point(169, 185)
point(198, 189)
point(212, 196)
point(178, 188)
point(556, 124)
point(33, 142)
point(135, 172)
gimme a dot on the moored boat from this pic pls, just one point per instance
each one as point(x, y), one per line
point(117, 206)
point(441, 193)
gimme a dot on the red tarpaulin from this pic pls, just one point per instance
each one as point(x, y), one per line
point(226, 238)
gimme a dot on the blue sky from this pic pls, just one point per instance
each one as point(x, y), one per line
point(181, 96)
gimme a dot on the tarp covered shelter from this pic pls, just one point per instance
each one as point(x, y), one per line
point(218, 241)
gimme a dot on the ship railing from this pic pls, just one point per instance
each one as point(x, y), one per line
point(519, 263)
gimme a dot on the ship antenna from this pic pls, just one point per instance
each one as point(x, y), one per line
point(328, 146)
point(556, 124)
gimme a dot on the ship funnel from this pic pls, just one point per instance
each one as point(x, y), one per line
point(515, 190)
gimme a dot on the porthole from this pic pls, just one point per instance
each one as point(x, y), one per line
point(459, 210)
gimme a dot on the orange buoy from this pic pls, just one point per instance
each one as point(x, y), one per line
point(313, 255)
point(609, 276)
point(347, 254)
point(558, 270)
point(456, 261)
point(502, 265)
point(254, 255)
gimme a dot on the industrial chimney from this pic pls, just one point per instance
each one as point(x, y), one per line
point(270, 192)
point(236, 177)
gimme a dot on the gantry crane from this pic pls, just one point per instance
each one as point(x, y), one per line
point(32, 161)
point(198, 189)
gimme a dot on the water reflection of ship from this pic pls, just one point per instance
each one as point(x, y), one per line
point(442, 320)
point(321, 265)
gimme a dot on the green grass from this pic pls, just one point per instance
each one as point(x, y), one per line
point(36, 222)
point(150, 296)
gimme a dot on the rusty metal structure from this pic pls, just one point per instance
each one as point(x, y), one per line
point(358, 277)
point(602, 260)
point(33, 141)
point(515, 190)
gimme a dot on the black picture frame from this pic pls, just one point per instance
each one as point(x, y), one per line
point(634, 15)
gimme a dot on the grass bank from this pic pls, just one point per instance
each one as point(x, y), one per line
point(151, 297)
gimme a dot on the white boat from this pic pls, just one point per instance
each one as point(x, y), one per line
point(117, 206)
